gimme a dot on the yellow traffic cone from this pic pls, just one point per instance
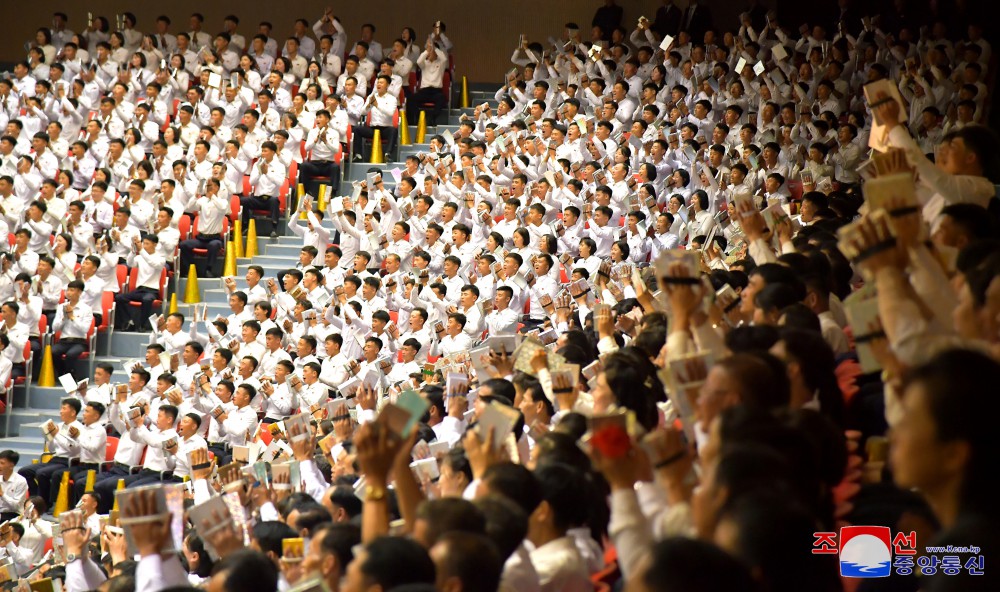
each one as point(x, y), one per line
point(229, 267)
point(238, 237)
point(191, 294)
point(301, 192)
point(91, 477)
point(321, 202)
point(404, 129)
point(62, 501)
point(47, 374)
point(465, 92)
point(376, 157)
point(251, 249)
point(173, 304)
point(421, 127)
point(121, 486)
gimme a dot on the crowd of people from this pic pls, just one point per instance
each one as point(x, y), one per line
point(684, 299)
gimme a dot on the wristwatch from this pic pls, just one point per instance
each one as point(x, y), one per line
point(70, 558)
point(374, 493)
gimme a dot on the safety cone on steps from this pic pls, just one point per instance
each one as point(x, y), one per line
point(465, 92)
point(91, 478)
point(321, 202)
point(238, 237)
point(191, 294)
point(376, 157)
point(62, 500)
point(120, 487)
point(300, 194)
point(229, 267)
point(421, 127)
point(404, 129)
point(251, 249)
point(47, 374)
point(173, 304)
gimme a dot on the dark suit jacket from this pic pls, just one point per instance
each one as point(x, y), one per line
point(608, 18)
point(698, 19)
point(667, 20)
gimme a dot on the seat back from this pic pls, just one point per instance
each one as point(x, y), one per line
point(122, 273)
point(234, 207)
point(184, 227)
point(133, 278)
point(107, 301)
point(111, 450)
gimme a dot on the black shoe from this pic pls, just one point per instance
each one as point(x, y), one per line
point(209, 274)
point(274, 235)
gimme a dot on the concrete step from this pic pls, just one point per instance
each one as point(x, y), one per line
point(24, 423)
point(40, 397)
point(127, 344)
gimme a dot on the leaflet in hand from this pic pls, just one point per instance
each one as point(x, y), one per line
point(70, 385)
point(499, 420)
point(209, 516)
point(404, 414)
point(168, 503)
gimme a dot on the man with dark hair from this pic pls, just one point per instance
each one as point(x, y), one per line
point(147, 286)
point(162, 446)
point(13, 486)
point(439, 516)
point(322, 146)
point(91, 443)
point(266, 178)
point(968, 173)
point(62, 440)
point(564, 505)
point(389, 562)
point(962, 223)
point(245, 570)
point(330, 551)
point(471, 559)
point(73, 319)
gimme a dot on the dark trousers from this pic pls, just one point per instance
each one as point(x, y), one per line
point(415, 104)
point(127, 314)
point(310, 169)
point(71, 349)
point(105, 486)
point(148, 477)
point(223, 454)
point(362, 132)
point(78, 474)
point(36, 350)
point(50, 317)
point(39, 477)
point(210, 242)
point(259, 202)
point(36, 354)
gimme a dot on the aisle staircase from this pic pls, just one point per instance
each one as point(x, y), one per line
point(35, 405)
